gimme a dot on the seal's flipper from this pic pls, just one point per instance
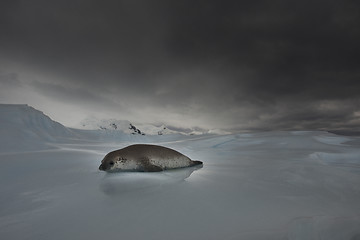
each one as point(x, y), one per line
point(148, 167)
point(195, 162)
point(152, 168)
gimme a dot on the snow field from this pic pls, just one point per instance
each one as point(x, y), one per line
point(271, 185)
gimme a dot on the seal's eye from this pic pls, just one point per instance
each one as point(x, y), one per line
point(111, 163)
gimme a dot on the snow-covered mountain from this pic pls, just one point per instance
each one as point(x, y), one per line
point(135, 128)
point(24, 127)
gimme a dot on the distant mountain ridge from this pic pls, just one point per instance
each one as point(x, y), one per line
point(134, 129)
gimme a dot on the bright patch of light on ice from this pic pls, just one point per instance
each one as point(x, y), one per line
point(334, 139)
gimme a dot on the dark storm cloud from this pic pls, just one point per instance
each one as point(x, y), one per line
point(242, 64)
point(72, 95)
point(9, 80)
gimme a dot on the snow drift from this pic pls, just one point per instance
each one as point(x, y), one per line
point(24, 128)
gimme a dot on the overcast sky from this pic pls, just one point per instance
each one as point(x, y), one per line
point(241, 65)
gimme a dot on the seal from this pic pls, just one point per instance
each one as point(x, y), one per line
point(145, 158)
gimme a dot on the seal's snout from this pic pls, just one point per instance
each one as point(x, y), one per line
point(102, 167)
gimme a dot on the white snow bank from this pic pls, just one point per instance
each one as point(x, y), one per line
point(23, 128)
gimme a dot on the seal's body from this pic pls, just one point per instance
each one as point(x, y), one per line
point(145, 158)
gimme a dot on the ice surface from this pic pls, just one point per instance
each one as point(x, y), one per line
point(272, 185)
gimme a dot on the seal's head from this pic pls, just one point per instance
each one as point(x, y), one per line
point(113, 162)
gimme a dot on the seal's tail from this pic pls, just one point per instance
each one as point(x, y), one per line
point(195, 162)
